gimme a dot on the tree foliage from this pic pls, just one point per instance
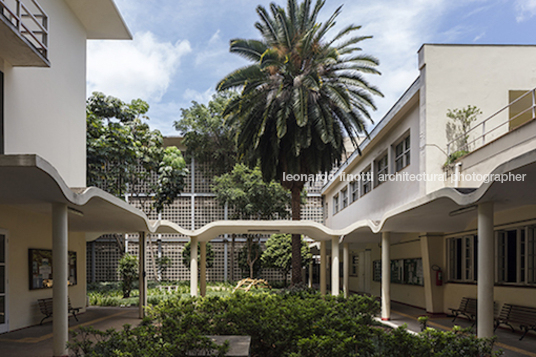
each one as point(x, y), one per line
point(128, 270)
point(187, 253)
point(460, 124)
point(125, 155)
point(207, 137)
point(248, 257)
point(249, 196)
point(300, 96)
point(278, 253)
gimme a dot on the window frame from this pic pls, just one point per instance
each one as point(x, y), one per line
point(335, 204)
point(381, 170)
point(405, 155)
point(354, 191)
point(344, 197)
point(366, 180)
point(462, 259)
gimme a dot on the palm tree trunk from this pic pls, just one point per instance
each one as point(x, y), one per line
point(296, 238)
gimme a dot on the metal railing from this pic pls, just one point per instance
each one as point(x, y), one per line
point(475, 140)
point(33, 25)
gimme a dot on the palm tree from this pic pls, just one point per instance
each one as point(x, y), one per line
point(299, 98)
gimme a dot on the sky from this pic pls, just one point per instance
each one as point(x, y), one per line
point(180, 49)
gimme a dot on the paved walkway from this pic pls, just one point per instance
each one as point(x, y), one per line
point(36, 341)
point(506, 339)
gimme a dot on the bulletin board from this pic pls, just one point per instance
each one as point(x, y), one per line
point(40, 268)
point(413, 272)
point(397, 271)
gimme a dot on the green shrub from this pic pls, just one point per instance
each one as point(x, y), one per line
point(128, 269)
point(294, 322)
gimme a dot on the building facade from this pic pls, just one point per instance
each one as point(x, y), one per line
point(450, 228)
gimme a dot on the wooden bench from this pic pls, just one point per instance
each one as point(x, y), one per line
point(524, 316)
point(45, 305)
point(467, 308)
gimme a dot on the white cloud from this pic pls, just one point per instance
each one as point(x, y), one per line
point(525, 9)
point(142, 68)
point(200, 97)
point(399, 28)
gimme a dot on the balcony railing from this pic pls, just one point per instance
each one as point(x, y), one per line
point(30, 21)
point(519, 111)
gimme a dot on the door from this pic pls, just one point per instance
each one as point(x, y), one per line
point(3, 283)
point(364, 269)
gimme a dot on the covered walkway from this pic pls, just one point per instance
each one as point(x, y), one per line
point(36, 341)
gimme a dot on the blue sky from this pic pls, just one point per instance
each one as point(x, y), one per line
point(180, 47)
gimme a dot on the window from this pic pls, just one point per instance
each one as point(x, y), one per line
point(402, 154)
point(366, 181)
point(382, 169)
point(355, 265)
point(462, 254)
point(516, 256)
point(344, 197)
point(335, 204)
point(354, 191)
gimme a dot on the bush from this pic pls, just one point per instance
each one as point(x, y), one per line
point(128, 269)
point(295, 322)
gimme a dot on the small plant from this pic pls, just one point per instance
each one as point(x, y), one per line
point(458, 128)
point(423, 321)
point(162, 265)
point(128, 270)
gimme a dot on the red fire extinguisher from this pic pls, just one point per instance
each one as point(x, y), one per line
point(438, 276)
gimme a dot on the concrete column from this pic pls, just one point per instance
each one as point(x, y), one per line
point(346, 269)
point(386, 276)
point(323, 267)
point(486, 269)
point(335, 266)
point(432, 251)
point(311, 274)
point(203, 269)
point(142, 261)
point(193, 266)
point(60, 241)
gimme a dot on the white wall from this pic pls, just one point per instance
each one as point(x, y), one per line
point(388, 195)
point(45, 107)
point(31, 230)
point(461, 75)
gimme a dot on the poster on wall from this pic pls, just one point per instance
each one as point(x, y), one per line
point(40, 264)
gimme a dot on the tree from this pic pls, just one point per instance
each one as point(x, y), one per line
point(252, 250)
point(162, 265)
point(250, 197)
point(205, 134)
point(125, 156)
point(128, 270)
point(458, 128)
point(299, 98)
point(187, 253)
point(278, 254)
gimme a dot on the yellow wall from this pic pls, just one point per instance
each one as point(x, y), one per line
point(27, 230)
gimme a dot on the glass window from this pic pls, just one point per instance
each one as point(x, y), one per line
point(344, 197)
point(402, 154)
point(516, 256)
point(354, 191)
point(462, 258)
point(382, 169)
point(366, 181)
point(335, 204)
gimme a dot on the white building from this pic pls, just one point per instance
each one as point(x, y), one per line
point(426, 223)
point(44, 207)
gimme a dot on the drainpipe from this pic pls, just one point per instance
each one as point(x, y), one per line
point(457, 173)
